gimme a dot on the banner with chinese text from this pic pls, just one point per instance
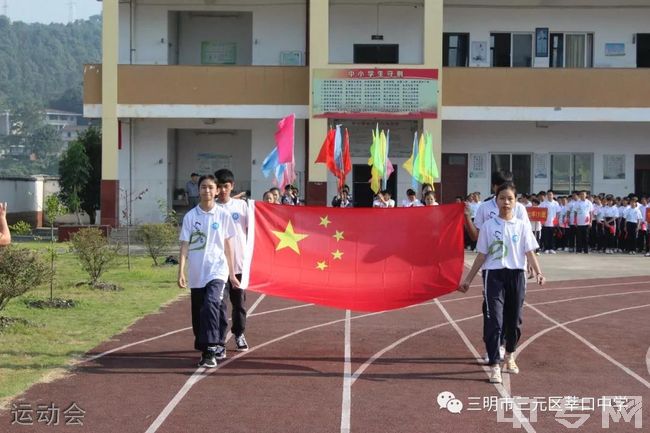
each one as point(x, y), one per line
point(395, 93)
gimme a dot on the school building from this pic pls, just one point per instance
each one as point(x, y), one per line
point(556, 91)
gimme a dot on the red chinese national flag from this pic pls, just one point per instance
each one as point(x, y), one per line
point(360, 259)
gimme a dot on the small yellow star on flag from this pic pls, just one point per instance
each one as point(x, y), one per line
point(321, 265)
point(337, 254)
point(338, 235)
point(289, 238)
point(324, 221)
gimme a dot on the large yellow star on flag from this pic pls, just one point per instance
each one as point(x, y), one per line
point(289, 238)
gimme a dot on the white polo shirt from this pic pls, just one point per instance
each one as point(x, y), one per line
point(553, 211)
point(238, 210)
point(489, 210)
point(414, 203)
point(582, 211)
point(633, 215)
point(505, 243)
point(206, 233)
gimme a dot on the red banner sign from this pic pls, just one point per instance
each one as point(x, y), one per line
point(537, 214)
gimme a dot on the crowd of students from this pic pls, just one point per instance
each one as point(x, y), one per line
point(583, 222)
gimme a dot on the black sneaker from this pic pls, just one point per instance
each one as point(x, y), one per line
point(241, 343)
point(220, 352)
point(208, 360)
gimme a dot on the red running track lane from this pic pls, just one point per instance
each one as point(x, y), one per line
point(292, 379)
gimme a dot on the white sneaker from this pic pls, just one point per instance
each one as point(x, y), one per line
point(647, 254)
point(495, 374)
point(552, 251)
point(510, 366)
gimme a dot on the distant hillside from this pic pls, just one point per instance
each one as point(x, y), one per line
point(43, 64)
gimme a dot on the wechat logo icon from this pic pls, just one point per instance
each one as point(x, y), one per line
point(447, 400)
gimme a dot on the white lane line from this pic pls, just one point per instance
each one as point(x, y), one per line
point(347, 379)
point(381, 353)
point(499, 387)
point(167, 334)
point(593, 347)
point(192, 381)
point(202, 373)
point(359, 371)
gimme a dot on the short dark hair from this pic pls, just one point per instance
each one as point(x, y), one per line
point(224, 175)
point(410, 192)
point(275, 188)
point(506, 185)
point(500, 177)
point(194, 174)
point(207, 177)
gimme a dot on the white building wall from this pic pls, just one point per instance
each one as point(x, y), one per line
point(561, 137)
point(355, 23)
point(608, 25)
point(152, 145)
point(276, 28)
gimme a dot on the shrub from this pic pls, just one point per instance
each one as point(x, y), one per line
point(21, 228)
point(94, 252)
point(20, 270)
point(157, 238)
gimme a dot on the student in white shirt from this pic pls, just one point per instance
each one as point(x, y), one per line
point(430, 199)
point(238, 210)
point(633, 220)
point(582, 209)
point(383, 199)
point(553, 210)
point(206, 245)
point(488, 210)
point(643, 230)
point(504, 244)
point(411, 199)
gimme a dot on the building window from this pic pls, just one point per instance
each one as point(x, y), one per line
point(572, 50)
point(511, 49)
point(455, 49)
point(571, 172)
point(517, 163)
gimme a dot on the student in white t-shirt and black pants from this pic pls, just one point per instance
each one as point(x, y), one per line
point(205, 243)
point(238, 210)
point(504, 244)
point(489, 209)
point(633, 219)
point(582, 209)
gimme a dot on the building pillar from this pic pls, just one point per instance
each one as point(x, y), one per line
point(316, 184)
point(433, 30)
point(109, 195)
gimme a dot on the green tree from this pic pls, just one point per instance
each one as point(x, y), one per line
point(74, 173)
point(91, 139)
point(54, 208)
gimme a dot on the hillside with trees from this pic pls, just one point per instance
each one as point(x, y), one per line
point(41, 66)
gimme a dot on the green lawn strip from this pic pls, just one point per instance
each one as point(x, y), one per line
point(54, 338)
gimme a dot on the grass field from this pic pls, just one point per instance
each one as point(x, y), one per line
point(48, 346)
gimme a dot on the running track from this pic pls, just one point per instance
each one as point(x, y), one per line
point(314, 369)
